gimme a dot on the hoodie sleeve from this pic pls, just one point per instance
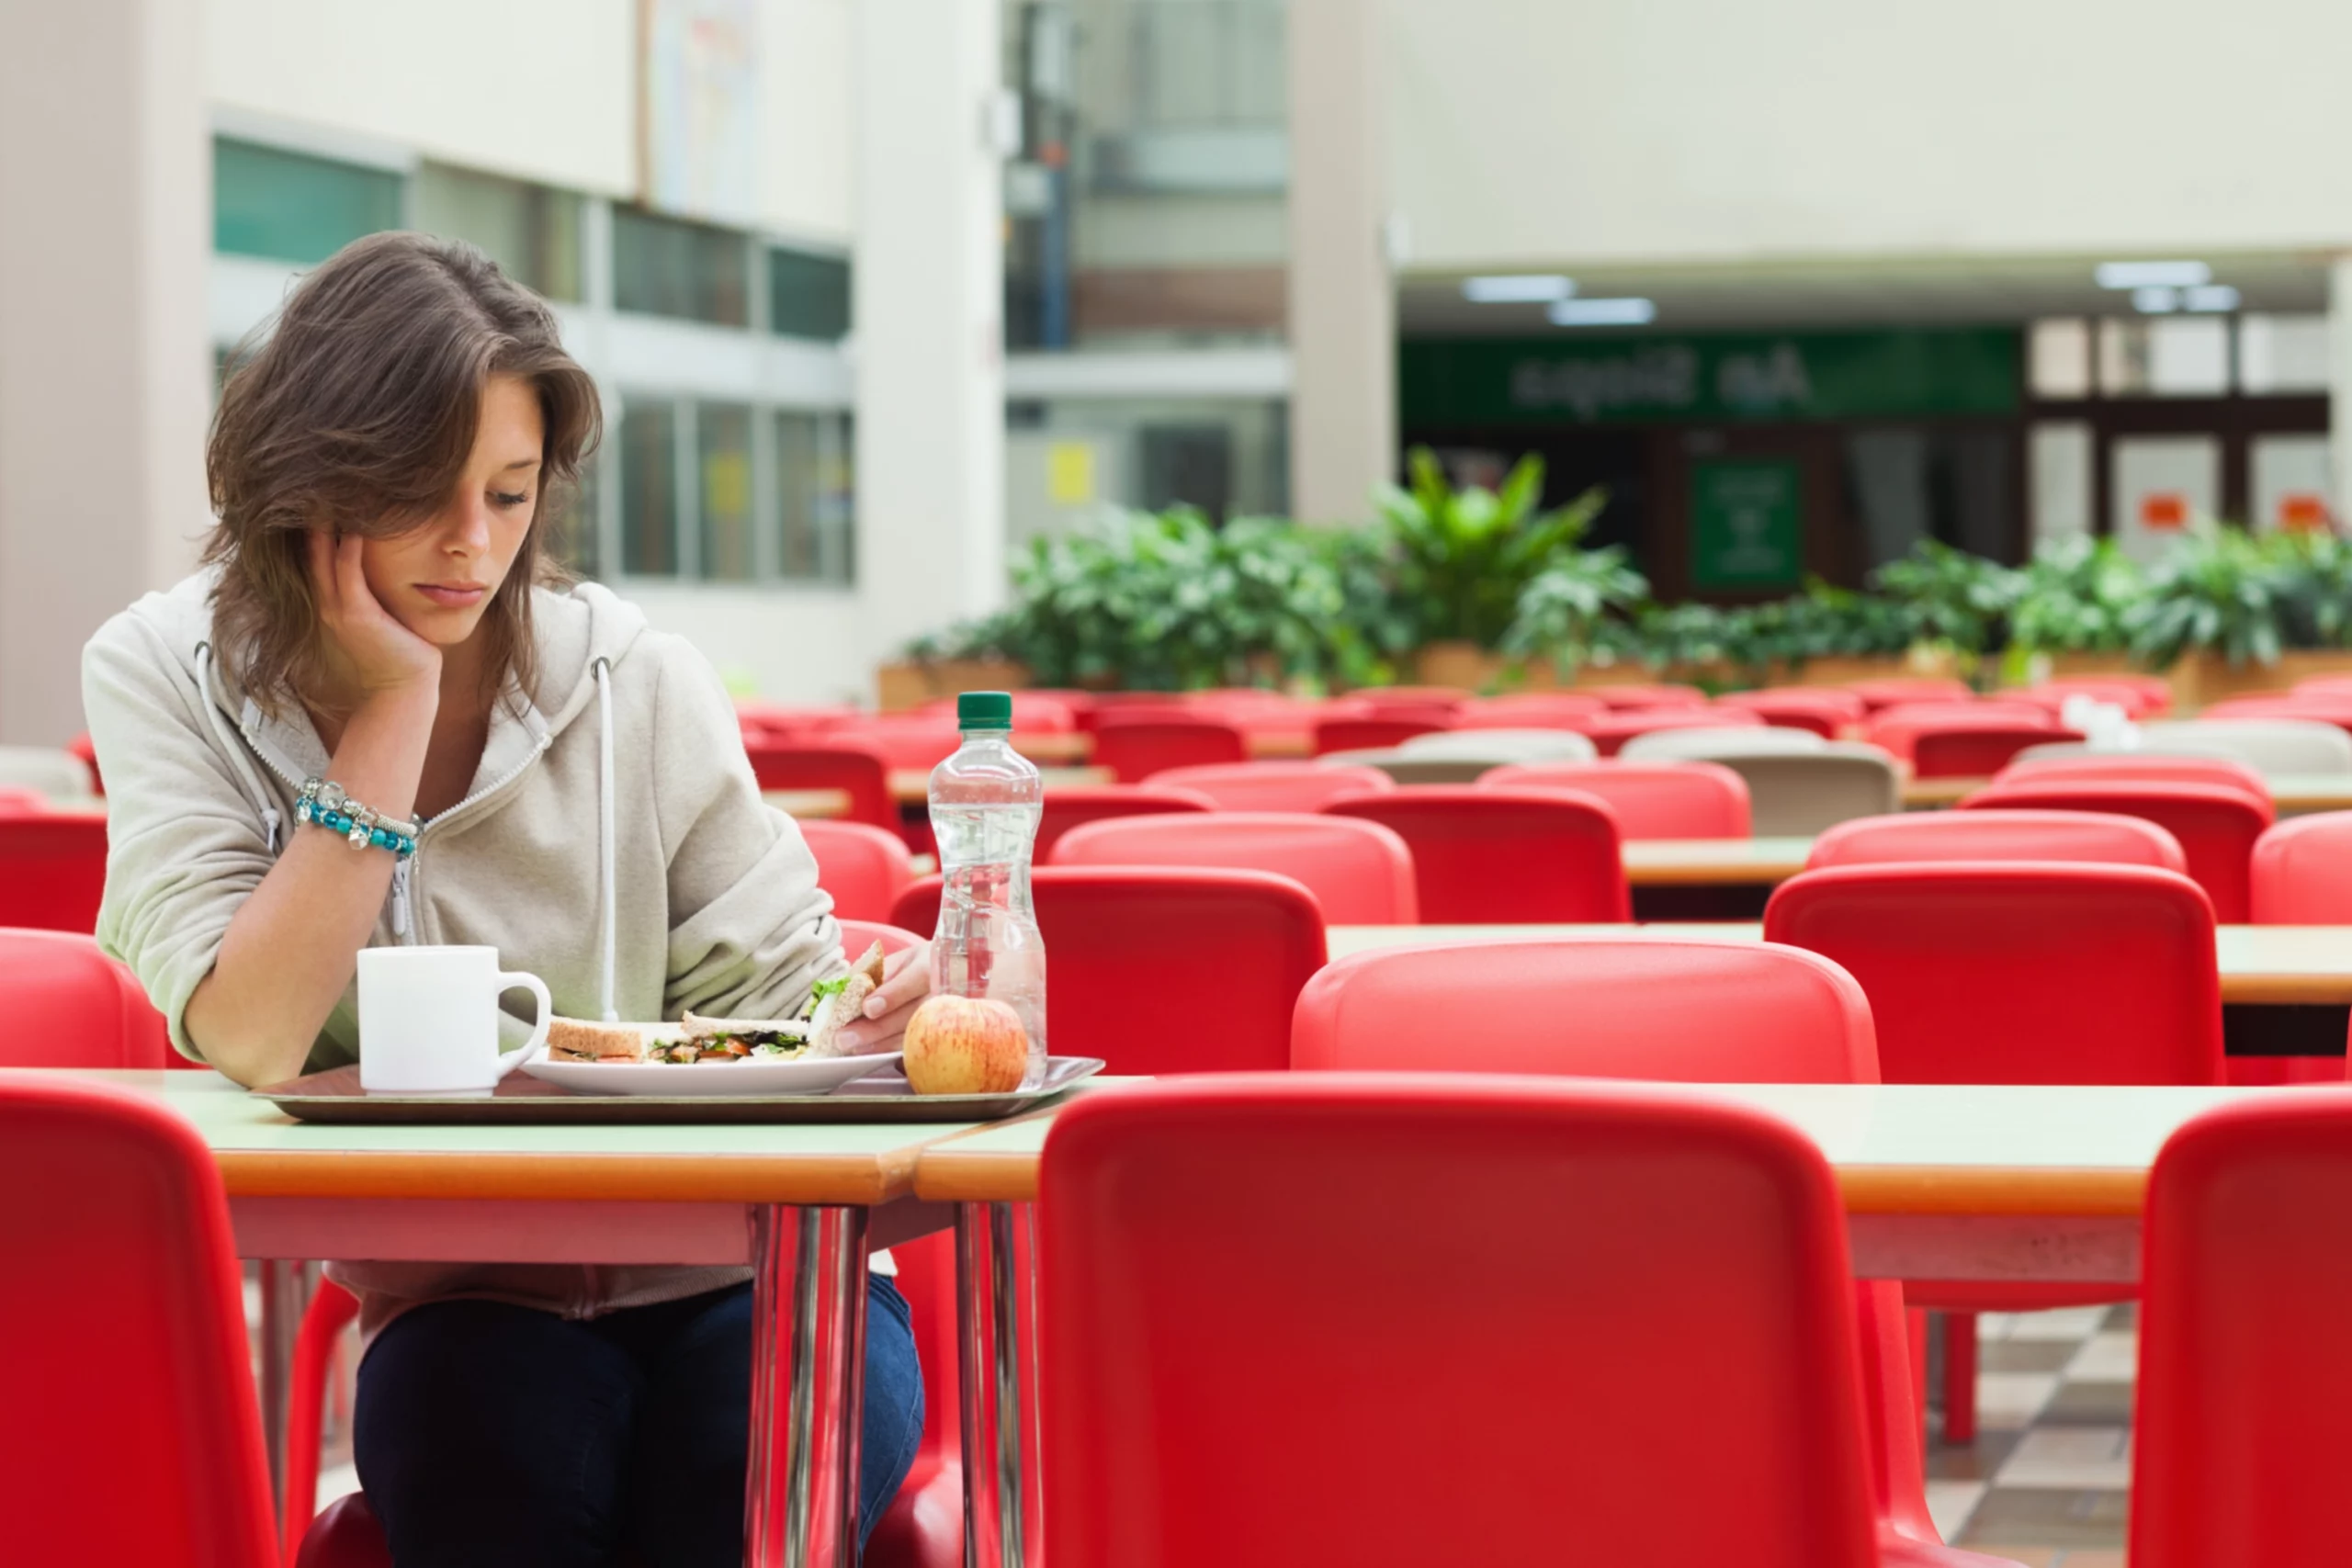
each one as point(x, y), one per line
point(750, 930)
point(186, 842)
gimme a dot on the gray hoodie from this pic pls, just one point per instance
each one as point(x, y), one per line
point(677, 888)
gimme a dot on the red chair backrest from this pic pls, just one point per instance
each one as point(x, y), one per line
point(1845, 707)
point(785, 719)
point(1611, 730)
point(1497, 856)
point(117, 1202)
point(1652, 800)
point(1235, 1316)
point(862, 773)
point(1033, 713)
point(2302, 871)
point(53, 869)
point(1361, 873)
point(2216, 825)
point(1530, 710)
point(1877, 695)
point(858, 935)
point(1976, 752)
point(1135, 749)
point(1270, 785)
point(1997, 835)
point(1165, 970)
point(68, 1004)
point(1787, 711)
point(2241, 1436)
point(82, 746)
point(26, 803)
point(1373, 734)
point(863, 867)
point(2019, 972)
point(1655, 695)
point(911, 742)
point(2138, 767)
point(2322, 708)
point(1071, 805)
point(1445, 697)
point(2144, 696)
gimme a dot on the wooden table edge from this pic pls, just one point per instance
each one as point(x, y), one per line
point(2278, 990)
point(1930, 1189)
point(848, 1180)
point(1743, 875)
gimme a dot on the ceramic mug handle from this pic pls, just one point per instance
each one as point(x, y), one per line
point(514, 979)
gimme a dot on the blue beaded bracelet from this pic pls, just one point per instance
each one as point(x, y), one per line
point(325, 806)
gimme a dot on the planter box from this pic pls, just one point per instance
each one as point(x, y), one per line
point(1920, 664)
point(907, 685)
point(2202, 679)
point(1473, 669)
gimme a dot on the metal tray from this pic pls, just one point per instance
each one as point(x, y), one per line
point(881, 1096)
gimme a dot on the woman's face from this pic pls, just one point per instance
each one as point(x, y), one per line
point(437, 579)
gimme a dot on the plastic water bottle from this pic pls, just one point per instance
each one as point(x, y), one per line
point(985, 801)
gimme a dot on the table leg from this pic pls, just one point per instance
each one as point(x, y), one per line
point(282, 1301)
point(808, 1387)
point(1001, 1529)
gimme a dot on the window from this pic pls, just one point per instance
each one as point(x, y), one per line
point(815, 495)
point(531, 232)
point(648, 480)
point(569, 523)
point(664, 267)
point(807, 296)
point(723, 439)
point(291, 207)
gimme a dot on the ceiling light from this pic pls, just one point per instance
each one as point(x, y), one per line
point(1517, 288)
point(2156, 299)
point(2154, 275)
point(2213, 296)
point(1603, 313)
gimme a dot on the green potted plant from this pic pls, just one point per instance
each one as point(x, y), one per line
point(2069, 617)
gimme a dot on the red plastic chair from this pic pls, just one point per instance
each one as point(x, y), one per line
point(2142, 696)
point(1070, 806)
point(1655, 695)
point(1820, 709)
point(1877, 695)
point(1945, 752)
point(2302, 871)
point(1684, 1011)
point(783, 720)
point(1977, 836)
point(1271, 785)
point(68, 1004)
point(82, 746)
point(2322, 707)
point(2216, 825)
point(1612, 732)
point(2017, 972)
point(912, 742)
point(863, 867)
point(1033, 713)
point(2244, 1419)
point(122, 1339)
point(862, 773)
point(1652, 800)
point(1504, 857)
point(1381, 699)
point(1899, 729)
point(53, 869)
point(1165, 970)
point(1530, 710)
point(1135, 749)
point(2138, 767)
point(858, 935)
point(1361, 873)
point(924, 1525)
point(1373, 734)
point(1266, 1293)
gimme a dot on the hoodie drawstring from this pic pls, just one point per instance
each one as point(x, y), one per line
point(233, 745)
point(605, 822)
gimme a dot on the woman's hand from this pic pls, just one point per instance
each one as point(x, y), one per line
point(373, 653)
point(906, 980)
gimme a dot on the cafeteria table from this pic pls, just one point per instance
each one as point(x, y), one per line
point(1939, 1182)
point(1714, 862)
point(801, 1204)
point(2294, 795)
point(2270, 965)
point(809, 805)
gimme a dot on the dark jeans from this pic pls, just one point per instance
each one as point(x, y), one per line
point(512, 1439)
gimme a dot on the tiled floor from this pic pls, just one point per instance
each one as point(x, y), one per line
point(2045, 1482)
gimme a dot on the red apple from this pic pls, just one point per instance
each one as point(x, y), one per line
point(966, 1045)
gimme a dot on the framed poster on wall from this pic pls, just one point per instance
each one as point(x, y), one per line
point(1747, 524)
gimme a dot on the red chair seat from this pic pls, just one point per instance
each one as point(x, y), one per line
point(1272, 785)
point(1135, 749)
point(2216, 825)
point(1997, 835)
point(1498, 856)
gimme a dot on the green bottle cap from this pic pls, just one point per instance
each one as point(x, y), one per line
point(984, 710)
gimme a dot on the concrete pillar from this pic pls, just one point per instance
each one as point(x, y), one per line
point(1342, 298)
point(928, 339)
point(106, 211)
point(2339, 387)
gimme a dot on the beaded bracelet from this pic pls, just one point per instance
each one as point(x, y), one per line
point(324, 804)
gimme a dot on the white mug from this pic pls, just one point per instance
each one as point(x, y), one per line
point(428, 1020)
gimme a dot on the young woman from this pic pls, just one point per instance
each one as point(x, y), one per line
point(376, 611)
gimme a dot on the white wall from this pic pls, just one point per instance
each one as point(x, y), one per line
point(803, 103)
point(788, 645)
point(1645, 131)
point(540, 89)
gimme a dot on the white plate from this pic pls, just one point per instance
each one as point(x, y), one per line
point(712, 1080)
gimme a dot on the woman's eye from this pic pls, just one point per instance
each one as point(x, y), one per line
point(505, 498)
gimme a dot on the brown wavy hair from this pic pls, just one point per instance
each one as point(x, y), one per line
point(357, 413)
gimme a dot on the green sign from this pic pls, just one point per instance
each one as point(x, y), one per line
point(1747, 524)
point(1774, 377)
